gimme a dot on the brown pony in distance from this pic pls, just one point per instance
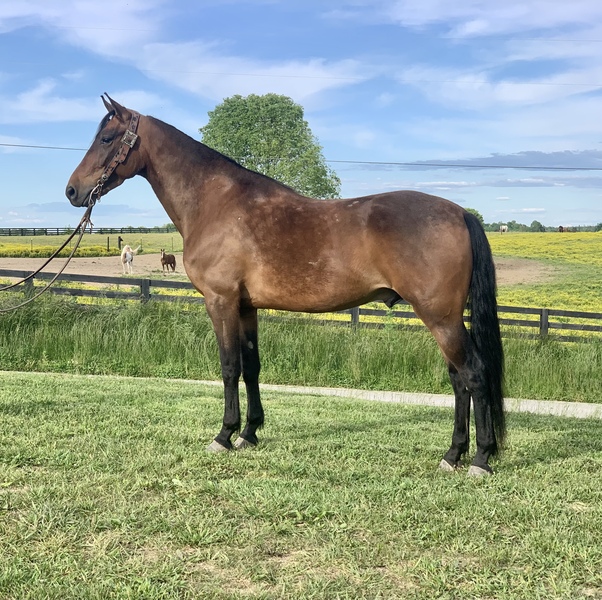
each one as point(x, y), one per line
point(168, 260)
point(251, 242)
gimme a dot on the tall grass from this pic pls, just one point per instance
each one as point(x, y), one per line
point(177, 340)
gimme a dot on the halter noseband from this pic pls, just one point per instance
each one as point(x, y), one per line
point(127, 143)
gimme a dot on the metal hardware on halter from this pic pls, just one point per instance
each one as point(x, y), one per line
point(129, 138)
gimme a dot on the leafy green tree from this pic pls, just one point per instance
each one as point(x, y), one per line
point(537, 226)
point(268, 134)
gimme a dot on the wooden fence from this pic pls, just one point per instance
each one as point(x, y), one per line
point(530, 322)
point(35, 231)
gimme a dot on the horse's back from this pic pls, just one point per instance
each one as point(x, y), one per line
point(302, 254)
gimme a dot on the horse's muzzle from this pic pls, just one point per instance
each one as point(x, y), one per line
point(76, 198)
point(71, 194)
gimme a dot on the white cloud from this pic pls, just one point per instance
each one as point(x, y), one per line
point(570, 124)
point(477, 88)
point(198, 68)
point(481, 17)
point(445, 184)
point(100, 26)
point(43, 104)
point(543, 56)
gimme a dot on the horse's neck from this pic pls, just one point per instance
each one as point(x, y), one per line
point(179, 169)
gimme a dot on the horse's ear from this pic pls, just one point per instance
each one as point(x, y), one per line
point(107, 105)
point(121, 112)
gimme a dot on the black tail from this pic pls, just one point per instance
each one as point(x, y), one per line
point(485, 327)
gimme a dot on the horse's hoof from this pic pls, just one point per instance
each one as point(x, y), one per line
point(241, 444)
point(445, 466)
point(215, 447)
point(475, 471)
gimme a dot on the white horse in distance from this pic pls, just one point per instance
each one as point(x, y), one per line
point(127, 258)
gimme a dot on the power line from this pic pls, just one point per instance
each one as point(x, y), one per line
point(334, 78)
point(438, 165)
point(464, 166)
point(43, 147)
point(495, 37)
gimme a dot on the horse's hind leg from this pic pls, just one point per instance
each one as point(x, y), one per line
point(461, 435)
point(250, 371)
point(469, 379)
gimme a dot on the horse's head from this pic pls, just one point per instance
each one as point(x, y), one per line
point(111, 158)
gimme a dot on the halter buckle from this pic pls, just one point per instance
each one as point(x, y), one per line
point(97, 191)
point(129, 138)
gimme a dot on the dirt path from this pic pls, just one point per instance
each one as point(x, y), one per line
point(509, 270)
point(144, 265)
point(512, 271)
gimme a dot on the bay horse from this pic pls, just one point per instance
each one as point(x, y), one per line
point(168, 260)
point(250, 242)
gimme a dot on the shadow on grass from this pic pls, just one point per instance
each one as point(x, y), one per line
point(531, 440)
point(534, 440)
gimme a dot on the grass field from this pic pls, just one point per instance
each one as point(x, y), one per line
point(106, 492)
point(568, 248)
point(91, 245)
point(578, 261)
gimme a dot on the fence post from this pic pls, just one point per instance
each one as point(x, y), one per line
point(355, 316)
point(544, 322)
point(145, 290)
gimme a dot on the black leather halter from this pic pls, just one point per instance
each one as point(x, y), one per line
point(127, 143)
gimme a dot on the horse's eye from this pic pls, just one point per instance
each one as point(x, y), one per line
point(107, 139)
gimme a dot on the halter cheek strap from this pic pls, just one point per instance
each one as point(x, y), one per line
point(127, 143)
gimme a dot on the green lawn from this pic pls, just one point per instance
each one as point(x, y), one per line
point(106, 492)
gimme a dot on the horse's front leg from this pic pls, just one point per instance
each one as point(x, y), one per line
point(249, 353)
point(225, 318)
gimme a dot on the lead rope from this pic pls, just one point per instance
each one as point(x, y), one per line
point(127, 143)
point(83, 224)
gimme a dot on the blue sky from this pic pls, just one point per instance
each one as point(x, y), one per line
point(472, 84)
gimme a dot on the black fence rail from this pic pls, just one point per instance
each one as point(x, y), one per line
point(35, 231)
point(530, 322)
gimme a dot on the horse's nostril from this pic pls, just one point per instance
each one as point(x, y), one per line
point(70, 192)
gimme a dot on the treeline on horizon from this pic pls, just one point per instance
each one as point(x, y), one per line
point(536, 226)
